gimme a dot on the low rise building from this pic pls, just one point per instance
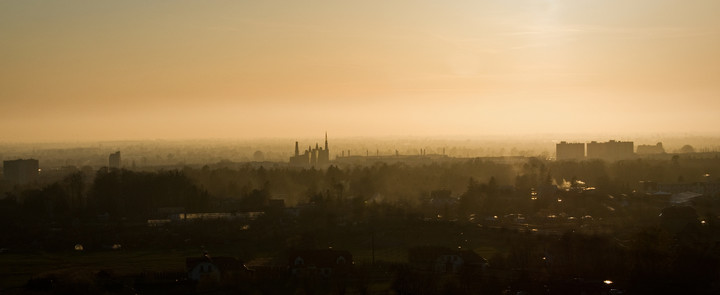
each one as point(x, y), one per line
point(647, 149)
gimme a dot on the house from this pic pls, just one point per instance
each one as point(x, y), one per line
point(321, 262)
point(445, 260)
point(214, 269)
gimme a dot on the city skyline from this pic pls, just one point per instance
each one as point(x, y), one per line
point(83, 71)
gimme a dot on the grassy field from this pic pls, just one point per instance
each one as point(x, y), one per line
point(17, 269)
point(391, 246)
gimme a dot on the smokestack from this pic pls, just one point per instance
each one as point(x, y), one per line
point(297, 149)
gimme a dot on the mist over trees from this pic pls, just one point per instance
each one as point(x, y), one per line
point(547, 221)
point(138, 195)
point(473, 186)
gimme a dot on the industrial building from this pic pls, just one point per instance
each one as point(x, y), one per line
point(312, 157)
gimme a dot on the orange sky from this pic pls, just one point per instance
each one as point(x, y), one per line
point(106, 70)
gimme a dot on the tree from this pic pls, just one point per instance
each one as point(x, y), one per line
point(687, 149)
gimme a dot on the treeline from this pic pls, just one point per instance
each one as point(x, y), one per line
point(649, 261)
point(390, 182)
point(479, 185)
point(400, 206)
point(138, 195)
point(114, 193)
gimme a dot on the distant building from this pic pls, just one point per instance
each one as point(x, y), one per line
point(312, 157)
point(569, 151)
point(703, 188)
point(21, 171)
point(114, 160)
point(215, 216)
point(646, 149)
point(299, 160)
point(611, 150)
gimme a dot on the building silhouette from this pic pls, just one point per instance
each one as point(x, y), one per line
point(569, 151)
point(611, 150)
point(647, 149)
point(114, 160)
point(311, 157)
point(21, 171)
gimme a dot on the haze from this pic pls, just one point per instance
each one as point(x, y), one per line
point(110, 70)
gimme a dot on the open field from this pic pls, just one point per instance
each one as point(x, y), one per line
point(19, 268)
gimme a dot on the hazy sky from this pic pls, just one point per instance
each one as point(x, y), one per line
point(87, 70)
